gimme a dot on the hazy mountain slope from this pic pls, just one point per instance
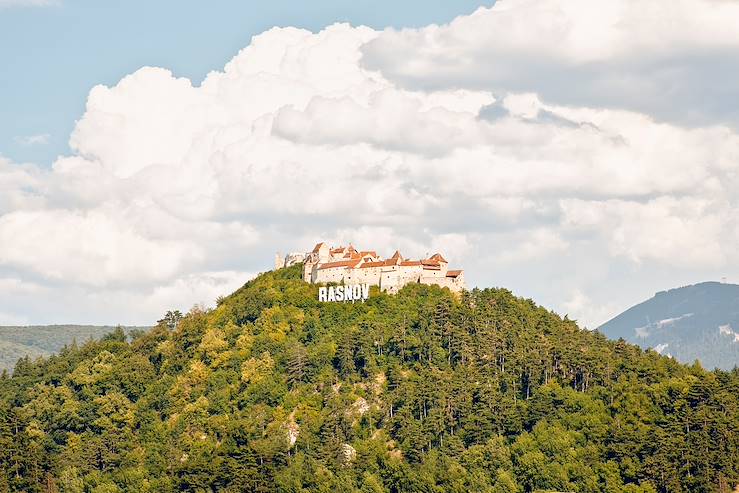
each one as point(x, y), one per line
point(692, 322)
point(423, 391)
point(11, 352)
point(42, 340)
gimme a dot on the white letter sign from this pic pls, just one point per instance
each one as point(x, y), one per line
point(349, 292)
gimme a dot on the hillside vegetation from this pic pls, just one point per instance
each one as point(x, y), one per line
point(418, 392)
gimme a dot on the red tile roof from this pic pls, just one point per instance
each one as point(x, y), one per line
point(379, 263)
point(341, 263)
point(351, 258)
point(367, 265)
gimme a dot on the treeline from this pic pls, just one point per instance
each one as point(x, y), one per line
point(418, 392)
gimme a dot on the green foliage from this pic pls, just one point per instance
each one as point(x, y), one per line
point(423, 391)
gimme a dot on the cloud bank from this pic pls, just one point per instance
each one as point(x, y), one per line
point(676, 61)
point(575, 154)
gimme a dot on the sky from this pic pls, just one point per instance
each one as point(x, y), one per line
point(153, 157)
point(54, 52)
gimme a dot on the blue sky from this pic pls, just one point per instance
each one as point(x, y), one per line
point(53, 55)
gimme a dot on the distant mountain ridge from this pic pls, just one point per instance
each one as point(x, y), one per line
point(42, 340)
point(700, 321)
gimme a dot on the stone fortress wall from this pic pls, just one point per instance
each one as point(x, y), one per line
point(351, 266)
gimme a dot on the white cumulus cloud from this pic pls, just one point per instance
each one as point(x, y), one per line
point(676, 59)
point(464, 138)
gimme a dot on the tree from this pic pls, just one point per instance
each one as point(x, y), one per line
point(297, 364)
point(171, 319)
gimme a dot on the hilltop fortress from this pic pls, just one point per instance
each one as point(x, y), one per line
point(350, 266)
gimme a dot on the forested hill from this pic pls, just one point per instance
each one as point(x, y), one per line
point(692, 322)
point(418, 392)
